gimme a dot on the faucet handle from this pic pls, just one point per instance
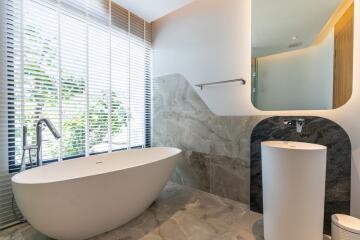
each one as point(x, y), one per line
point(288, 122)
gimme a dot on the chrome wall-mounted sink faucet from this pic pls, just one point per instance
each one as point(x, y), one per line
point(298, 123)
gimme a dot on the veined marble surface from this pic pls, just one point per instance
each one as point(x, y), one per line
point(180, 213)
point(216, 149)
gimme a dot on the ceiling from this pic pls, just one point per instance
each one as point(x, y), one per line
point(276, 22)
point(151, 10)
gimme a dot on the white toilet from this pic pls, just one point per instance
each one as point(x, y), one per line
point(345, 227)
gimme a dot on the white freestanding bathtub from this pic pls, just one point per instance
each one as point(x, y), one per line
point(81, 198)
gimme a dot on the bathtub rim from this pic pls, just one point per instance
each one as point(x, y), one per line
point(19, 179)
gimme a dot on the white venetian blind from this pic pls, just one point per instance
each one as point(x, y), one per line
point(120, 81)
point(85, 65)
point(74, 81)
point(10, 22)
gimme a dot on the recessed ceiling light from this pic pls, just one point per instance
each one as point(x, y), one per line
point(294, 38)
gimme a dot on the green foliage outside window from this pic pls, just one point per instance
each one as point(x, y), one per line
point(45, 93)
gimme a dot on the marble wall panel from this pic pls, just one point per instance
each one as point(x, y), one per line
point(316, 130)
point(216, 155)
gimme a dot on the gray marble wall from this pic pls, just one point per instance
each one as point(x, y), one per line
point(216, 155)
point(216, 150)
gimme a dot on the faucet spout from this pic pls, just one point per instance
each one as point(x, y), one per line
point(299, 125)
point(39, 126)
point(50, 125)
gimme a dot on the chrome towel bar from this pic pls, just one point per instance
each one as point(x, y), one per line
point(201, 86)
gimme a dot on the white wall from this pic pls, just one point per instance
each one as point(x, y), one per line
point(210, 40)
point(295, 80)
point(198, 42)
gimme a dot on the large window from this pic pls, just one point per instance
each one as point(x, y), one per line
point(86, 65)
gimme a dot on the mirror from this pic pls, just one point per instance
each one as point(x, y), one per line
point(302, 54)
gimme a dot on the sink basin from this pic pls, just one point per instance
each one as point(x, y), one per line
point(294, 145)
point(293, 177)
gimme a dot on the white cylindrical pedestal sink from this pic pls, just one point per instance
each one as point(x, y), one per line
point(293, 178)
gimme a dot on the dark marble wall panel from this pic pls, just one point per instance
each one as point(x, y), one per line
point(316, 130)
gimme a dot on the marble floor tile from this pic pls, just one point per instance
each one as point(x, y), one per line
point(180, 213)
